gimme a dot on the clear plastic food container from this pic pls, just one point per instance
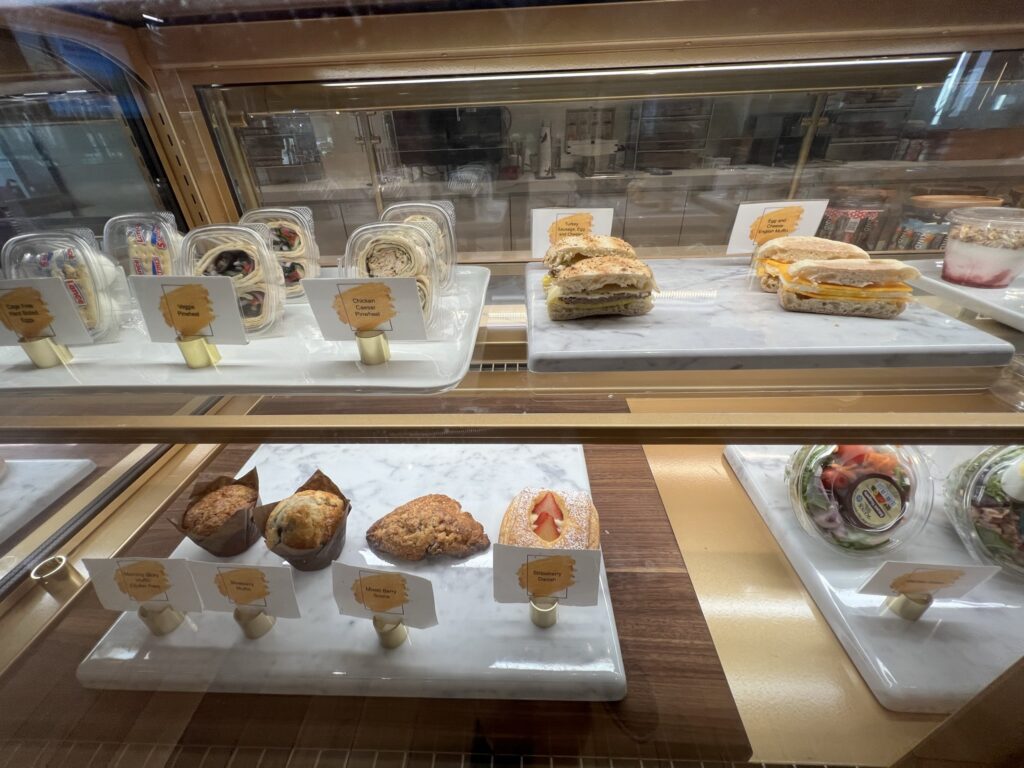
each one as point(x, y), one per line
point(395, 250)
point(985, 501)
point(860, 499)
point(241, 252)
point(439, 226)
point(93, 281)
point(143, 243)
point(293, 242)
point(985, 248)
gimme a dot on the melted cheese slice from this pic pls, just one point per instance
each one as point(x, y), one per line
point(764, 266)
point(830, 290)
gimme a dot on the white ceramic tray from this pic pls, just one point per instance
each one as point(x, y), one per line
point(30, 486)
point(710, 316)
point(932, 665)
point(479, 649)
point(292, 358)
point(1003, 304)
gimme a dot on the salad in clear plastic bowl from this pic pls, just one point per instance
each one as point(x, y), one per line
point(985, 501)
point(860, 499)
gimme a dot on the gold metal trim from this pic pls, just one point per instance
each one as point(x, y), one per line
point(736, 427)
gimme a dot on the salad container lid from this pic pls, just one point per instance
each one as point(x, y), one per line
point(293, 243)
point(985, 502)
point(997, 218)
point(439, 226)
point(143, 243)
point(241, 252)
point(94, 283)
point(863, 500)
point(396, 250)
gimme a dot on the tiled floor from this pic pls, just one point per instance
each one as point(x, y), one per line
point(82, 754)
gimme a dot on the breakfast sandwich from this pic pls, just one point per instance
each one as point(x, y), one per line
point(851, 287)
point(768, 258)
point(569, 250)
point(602, 285)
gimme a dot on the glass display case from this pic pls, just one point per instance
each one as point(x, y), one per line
point(651, 538)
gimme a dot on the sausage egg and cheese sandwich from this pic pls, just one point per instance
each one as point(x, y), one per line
point(768, 258)
point(852, 287)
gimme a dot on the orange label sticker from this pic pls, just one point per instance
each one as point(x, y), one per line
point(142, 580)
point(543, 577)
point(242, 586)
point(926, 581)
point(365, 307)
point(575, 224)
point(23, 312)
point(777, 223)
point(187, 309)
point(381, 592)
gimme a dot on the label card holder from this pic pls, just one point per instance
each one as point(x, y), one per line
point(39, 315)
point(940, 581)
point(266, 589)
point(549, 225)
point(757, 223)
point(179, 308)
point(345, 307)
point(130, 583)
point(394, 596)
point(525, 574)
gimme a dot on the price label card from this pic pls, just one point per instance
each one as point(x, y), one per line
point(38, 308)
point(175, 308)
point(225, 586)
point(757, 223)
point(342, 306)
point(940, 581)
point(571, 576)
point(125, 583)
point(549, 225)
point(368, 592)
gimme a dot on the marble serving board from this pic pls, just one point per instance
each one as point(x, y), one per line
point(1003, 304)
point(28, 488)
point(710, 315)
point(933, 665)
point(480, 649)
point(292, 358)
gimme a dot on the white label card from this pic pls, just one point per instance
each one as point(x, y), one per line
point(571, 576)
point(551, 224)
point(368, 592)
point(344, 305)
point(178, 307)
point(225, 586)
point(126, 583)
point(757, 223)
point(46, 301)
point(939, 580)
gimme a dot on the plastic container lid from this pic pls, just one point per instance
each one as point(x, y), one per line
point(396, 250)
point(1001, 218)
point(985, 502)
point(93, 281)
point(143, 243)
point(438, 224)
point(293, 242)
point(950, 202)
point(863, 500)
point(241, 252)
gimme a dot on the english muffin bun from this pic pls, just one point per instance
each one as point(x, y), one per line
point(214, 509)
point(306, 520)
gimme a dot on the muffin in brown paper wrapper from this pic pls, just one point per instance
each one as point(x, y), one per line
point(320, 557)
point(239, 532)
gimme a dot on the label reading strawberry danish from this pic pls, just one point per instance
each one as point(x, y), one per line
point(570, 576)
